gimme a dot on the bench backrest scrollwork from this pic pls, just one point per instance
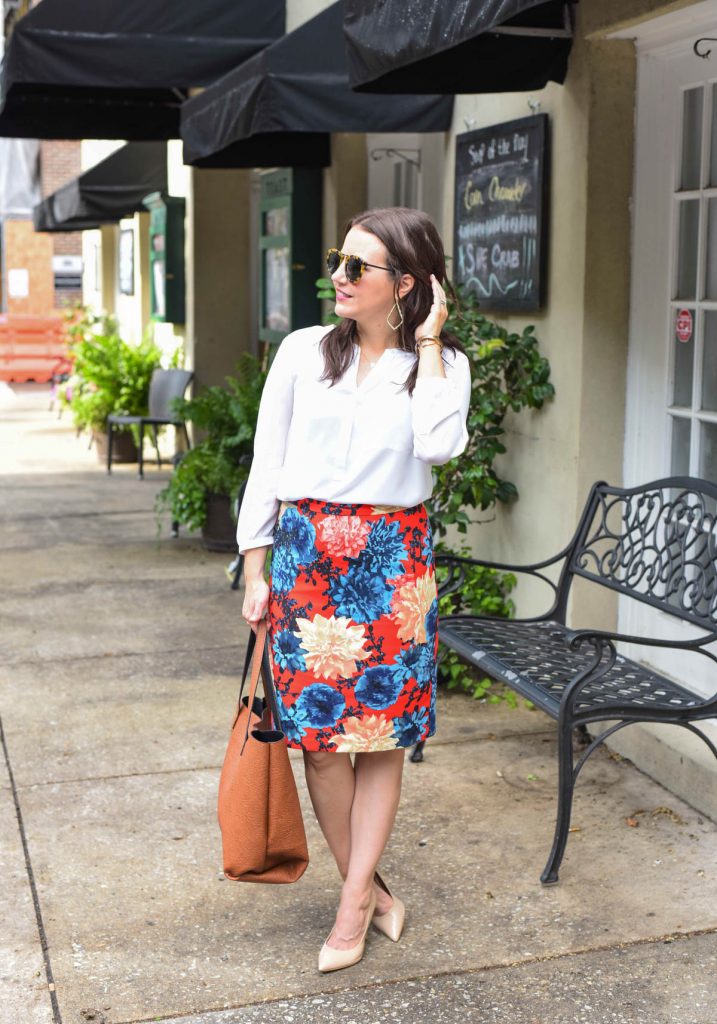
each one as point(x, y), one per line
point(656, 543)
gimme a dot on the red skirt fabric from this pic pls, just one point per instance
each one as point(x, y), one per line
point(353, 625)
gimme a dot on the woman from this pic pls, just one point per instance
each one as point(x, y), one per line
point(350, 422)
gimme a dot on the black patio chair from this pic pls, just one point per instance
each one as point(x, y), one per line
point(164, 386)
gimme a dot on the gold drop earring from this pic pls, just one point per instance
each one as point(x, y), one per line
point(399, 325)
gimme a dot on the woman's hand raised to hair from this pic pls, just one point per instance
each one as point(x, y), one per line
point(437, 315)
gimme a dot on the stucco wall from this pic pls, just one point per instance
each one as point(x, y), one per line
point(217, 260)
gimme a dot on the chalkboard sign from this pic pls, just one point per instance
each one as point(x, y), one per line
point(500, 248)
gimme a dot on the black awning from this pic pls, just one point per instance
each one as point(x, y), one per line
point(280, 107)
point(470, 46)
point(121, 68)
point(112, 189)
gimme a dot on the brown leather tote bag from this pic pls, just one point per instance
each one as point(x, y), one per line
point(263, 837)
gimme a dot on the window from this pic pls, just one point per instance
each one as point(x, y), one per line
point(692, 386)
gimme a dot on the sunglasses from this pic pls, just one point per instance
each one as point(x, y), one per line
point(354, 268)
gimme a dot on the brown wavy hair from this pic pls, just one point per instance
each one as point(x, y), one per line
point(414, 247)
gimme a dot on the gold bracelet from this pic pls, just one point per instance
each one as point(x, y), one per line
point(425, 342)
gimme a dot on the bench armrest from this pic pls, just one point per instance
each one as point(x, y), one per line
point(603, 643)
point(505, 566)
point(580, 636)
point(456, 565)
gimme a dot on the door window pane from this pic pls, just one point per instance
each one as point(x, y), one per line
point(683, 366)
point(276, 221)
point(713, 147)
point(680, 460)
point(709, 362)
point(276, 288)
point(711, 282)
point(708, 451)
point(691, 138)
point(689, 222)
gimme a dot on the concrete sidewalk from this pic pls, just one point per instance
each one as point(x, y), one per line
point(119, 656)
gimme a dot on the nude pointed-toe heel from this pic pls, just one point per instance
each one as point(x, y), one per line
point(391, 923)
point(331, 959)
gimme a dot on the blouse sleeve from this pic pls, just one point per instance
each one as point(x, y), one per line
point(439, 410)
point(260, 504)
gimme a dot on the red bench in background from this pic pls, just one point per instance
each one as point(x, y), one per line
point(32, 348)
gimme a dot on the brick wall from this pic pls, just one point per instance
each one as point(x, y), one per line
point(60, 163)
point(30, 250)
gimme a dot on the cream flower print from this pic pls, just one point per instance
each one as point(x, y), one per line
point(361, 734)
point(343, 535)
point(332, 644)
point(409, 605)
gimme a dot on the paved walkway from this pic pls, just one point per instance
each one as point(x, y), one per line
point(119, 653)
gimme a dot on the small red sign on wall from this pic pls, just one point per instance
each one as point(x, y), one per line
point(683, 324)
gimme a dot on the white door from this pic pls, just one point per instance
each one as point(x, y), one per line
point(672, 372)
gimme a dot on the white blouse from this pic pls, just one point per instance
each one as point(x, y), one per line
point(369, 443)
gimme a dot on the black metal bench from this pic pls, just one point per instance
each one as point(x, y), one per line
point(656, 543)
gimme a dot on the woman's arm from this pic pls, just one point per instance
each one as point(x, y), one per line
point(260, 504)
point(442, 394)
point(439, 406)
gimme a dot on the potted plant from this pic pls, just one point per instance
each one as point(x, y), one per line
point(202, 490)
point(108, 376)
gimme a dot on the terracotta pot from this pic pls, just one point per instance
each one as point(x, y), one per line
point(219, 531)
point(123, 447)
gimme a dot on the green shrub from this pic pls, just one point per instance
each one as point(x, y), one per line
point(509, 374)
point(220, 462)
point(109, 376)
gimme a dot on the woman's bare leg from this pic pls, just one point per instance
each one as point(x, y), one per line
point(377, 792)
point(330, 781)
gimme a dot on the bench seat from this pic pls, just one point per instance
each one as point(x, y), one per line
point(535, 660)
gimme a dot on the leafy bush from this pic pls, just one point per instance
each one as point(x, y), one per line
point(108, 374)
point(483, 592)
point(220, 463)
point(509, 374)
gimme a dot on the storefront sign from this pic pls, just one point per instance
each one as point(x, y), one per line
point(18, 283)
point(501, 196)
point(67, 272)
point(683, 325)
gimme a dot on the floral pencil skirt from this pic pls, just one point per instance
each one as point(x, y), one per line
point(353, 616)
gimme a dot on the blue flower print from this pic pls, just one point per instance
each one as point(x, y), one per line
point(294, 722)
point(416, 662)
point(408, 729)
point(288, 652)
point(300, 535)
point(379, 687)
point(283, 569)
point(295, 546)
point(384, 553)
point(321, 704)
point(427, 548)
point(360, 595)
point(432, 621)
